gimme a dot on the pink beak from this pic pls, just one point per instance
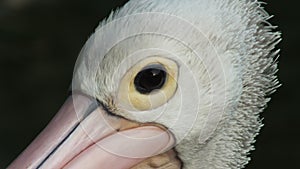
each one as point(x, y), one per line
point(84, 135)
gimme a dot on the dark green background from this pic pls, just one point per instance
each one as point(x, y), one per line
point(39, 44)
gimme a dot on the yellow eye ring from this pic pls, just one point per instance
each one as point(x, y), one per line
point(162, 75)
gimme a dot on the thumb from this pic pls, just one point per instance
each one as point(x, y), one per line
point(124, 149)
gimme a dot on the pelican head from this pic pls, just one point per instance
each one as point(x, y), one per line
point(186, 75)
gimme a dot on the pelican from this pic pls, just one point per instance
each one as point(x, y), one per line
point(165, 84)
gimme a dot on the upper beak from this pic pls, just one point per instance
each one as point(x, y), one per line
point(84, 135)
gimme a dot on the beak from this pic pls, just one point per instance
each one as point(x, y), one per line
point(83, 134)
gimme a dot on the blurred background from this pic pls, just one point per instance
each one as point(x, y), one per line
point(40, 41)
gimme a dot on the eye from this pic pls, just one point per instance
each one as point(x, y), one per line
point(151, 78)
point(148, 84)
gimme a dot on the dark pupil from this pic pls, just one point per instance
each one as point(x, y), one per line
point(150, 79)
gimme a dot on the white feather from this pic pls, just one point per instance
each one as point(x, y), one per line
point(225, 50)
